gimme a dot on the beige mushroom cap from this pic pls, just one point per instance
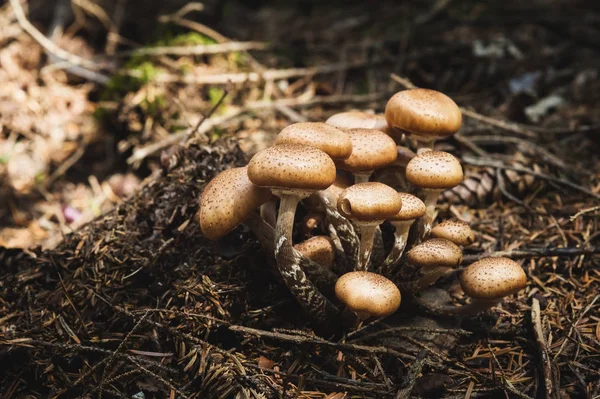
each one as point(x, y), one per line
point(371, 149)
point(326, 138)
point(493, 278)
point(434, 170)
point(227, 200)
point(368, 202)
point(292, 167)
point(412, 208)
point(456, 231)
point(436, 252)
point(427, 114)
point(319, 249)
point(368, 294)
point(357, 120)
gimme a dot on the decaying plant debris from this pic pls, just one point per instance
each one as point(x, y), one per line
point(138, 304)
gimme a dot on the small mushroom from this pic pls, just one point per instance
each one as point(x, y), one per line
point(293, 172)
point(371, 149)
point(456, 231)
point(433, 172)
point(227, 200)
point(368, 205)
point(368, 294)
point(489, 280)
point(434, 257)
point(412, 209)
point(319, 249)
point(426, 115)
point(326, 138)
point(357, 120)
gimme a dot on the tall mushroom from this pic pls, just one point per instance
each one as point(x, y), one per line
point(368, 294)
point(434, 257)
point(368, 205)
point(423, 114)
point(433, 172)
point(412, 209)
point(371, 149)
point(486, 281)
point(456, 231)
point(293, 172)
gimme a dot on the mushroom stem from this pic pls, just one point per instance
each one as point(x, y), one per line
point(362, 177)
point(367, 234)
point(268, 211)
point(424, 146)
point(476, 306)
point(431, 197)
point(320, 309)
point(400, 238)
point(430, 276)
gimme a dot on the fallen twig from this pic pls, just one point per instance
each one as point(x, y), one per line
point(540, 339)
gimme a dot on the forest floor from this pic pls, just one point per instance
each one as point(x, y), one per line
point(107, 287)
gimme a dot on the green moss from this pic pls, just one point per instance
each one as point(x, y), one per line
point(169, 38)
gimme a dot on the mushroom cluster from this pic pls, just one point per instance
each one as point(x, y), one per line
point(350, 174)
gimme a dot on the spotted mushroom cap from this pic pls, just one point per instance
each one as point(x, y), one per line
point(326, 138)
point(434, 170)
point(456, 231)
point(412, 208)
point(370, 201)
point(368, 294)
point(227, 200)
point(436, 252)
point(426, 114)
point(292, 167)
point(371, 149)
point(357, 120)
point(493, 278)
point(319, 249)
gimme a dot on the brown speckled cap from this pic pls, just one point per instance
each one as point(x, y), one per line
point(319, 249)
point(427, 114)
point(456, 231)
point(436, 252)
point(412, 208)
point(492, 278)
point(293, 167)
point(368, 294)
point(227, 200)
point(370, 201)
point(434, 170)
point(357, 120)
point(371, 149)
point(326, 138)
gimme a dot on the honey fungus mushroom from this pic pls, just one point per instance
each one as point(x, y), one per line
point(319, 249)
point(293, 172)
point(358, 120)
point(456, 231)
point(227, 200)
point(326, 138)
point(368, 294)
point(423, 114)
point(368, 205)
point(434, 257)
point(433, 172)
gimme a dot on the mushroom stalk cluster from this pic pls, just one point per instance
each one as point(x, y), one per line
point(337, 171)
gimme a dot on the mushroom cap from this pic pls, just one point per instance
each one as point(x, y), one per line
point(412, 208)
point(436, 252)
point(371, 149)
point(492, 278)
point(369, 202)
point(427, 114)
point(368, 293)
point(358, 120)
point(332, 141)
point(292, 167)
point(434, 170)
point(227, 200)
point(456, 231)
point(319, 249)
